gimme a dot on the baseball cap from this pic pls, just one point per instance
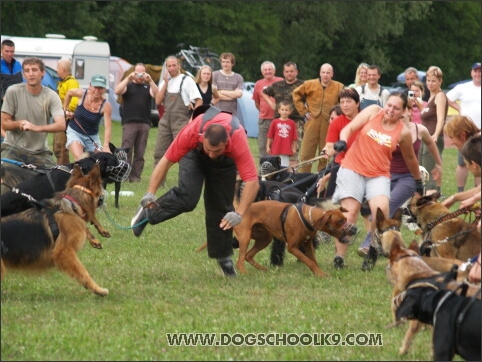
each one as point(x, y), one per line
point(476, 66)
point(98, 80)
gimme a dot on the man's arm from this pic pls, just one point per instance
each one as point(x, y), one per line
point(121, 88)
point(248, 195)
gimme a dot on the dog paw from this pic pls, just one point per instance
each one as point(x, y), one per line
point(95, 244)
point(104, 233)
point(402, 351)
point(321, 274)
point(102, 292)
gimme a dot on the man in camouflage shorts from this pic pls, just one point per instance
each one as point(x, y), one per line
point(281, 91)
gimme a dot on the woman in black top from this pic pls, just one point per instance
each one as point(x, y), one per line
point(204, 78)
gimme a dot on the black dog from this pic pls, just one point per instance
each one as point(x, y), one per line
point(121, 155)
point(46, 182)
point(455, 319)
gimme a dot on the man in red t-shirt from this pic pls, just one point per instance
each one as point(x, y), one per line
point(209, 150)
point(266, 113)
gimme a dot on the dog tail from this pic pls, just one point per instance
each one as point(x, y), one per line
point(278, 252)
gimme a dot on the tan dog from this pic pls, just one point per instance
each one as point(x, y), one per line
point(407, 269)
point(387, 231)
point(295, 224)
point(52, 234)
point(447, 236)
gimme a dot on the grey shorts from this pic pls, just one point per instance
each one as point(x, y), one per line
point(352, 184)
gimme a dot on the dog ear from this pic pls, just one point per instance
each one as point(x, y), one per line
point(414, 246)
point(77, 171)
point(380, 215)
point(396, 245)
point(112, 148)
point(398, 214)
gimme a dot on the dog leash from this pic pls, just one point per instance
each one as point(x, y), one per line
point(113, 222)
point(97, 147)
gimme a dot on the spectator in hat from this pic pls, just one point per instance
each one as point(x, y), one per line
point(83, 130)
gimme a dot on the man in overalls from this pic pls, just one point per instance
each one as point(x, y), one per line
point(179, 94)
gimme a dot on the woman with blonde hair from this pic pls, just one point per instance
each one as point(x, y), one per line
point(459, 129)
point(360, 75)
point(204, 82)
point(433, 117)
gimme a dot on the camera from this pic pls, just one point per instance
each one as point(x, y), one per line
point(410, 94)
point(139, 75)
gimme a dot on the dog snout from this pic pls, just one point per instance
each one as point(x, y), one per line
point(349, 230)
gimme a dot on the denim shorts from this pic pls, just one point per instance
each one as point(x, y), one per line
point(352, 184)
point(83, 139)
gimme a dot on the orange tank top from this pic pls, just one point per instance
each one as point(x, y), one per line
point(371, 153)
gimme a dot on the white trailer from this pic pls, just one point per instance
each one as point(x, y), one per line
point(88, 56)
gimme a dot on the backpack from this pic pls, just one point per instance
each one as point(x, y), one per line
point(367, 102)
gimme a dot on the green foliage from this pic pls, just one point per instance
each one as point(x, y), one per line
point(158, 284)
point(391, 34)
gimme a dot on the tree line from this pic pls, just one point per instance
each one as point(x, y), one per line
point(391, 34)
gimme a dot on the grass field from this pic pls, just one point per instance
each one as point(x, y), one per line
point(158, 284)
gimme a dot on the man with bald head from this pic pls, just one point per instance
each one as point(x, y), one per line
point(313, 99)
point(67, 82)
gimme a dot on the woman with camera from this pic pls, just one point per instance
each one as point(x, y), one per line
point(137, 91)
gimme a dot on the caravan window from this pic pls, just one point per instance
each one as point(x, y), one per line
point(79, 68)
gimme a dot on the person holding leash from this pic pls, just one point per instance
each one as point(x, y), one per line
point(210, 150)
point(26, 111)
point(365, 169)
point(83, 130)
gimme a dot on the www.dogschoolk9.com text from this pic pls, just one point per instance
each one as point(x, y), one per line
point(274, 339)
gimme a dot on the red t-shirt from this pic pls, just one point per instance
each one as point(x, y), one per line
point(283, 133)
point(333, 134)
point(265, 111)
point(237, 146)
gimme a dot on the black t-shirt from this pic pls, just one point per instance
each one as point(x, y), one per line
point(137, 103)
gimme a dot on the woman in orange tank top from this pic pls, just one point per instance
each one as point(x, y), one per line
point(365, 170)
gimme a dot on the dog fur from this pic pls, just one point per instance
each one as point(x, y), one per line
point(453, 238)
point(263, 220)
point(28, 238)
point(44, 185)
point(386, 229)
point(406, 267)
point(455, 320)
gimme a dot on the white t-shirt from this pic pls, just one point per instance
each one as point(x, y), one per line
point(189, 92)
point(373, 95)
point(469, 96)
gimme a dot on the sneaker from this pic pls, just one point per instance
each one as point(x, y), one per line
point(363, 251)
point(227, 267)
point(139, 221)
point(338, 262)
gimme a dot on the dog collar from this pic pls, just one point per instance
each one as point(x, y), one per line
point(85, 189)
point(75, 205)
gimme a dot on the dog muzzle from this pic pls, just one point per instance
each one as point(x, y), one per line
point(120, 172)
point(350, 230)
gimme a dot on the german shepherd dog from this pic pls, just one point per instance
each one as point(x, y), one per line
point(385, 232)
point(295, 224)
point(46, 182)
point(406, 270)
point(455, 320)
point(52, 233)
point(444, 235)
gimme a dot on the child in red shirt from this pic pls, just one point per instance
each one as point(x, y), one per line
point(282, 135)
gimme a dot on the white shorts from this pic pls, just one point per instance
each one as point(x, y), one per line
point(352, 184)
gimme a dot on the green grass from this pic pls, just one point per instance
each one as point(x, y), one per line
point(158, 284)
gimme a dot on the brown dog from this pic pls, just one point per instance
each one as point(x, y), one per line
point(295, 224)
point(406, 269)
point(447, 236)
point(387, 231)
point(52, 233)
